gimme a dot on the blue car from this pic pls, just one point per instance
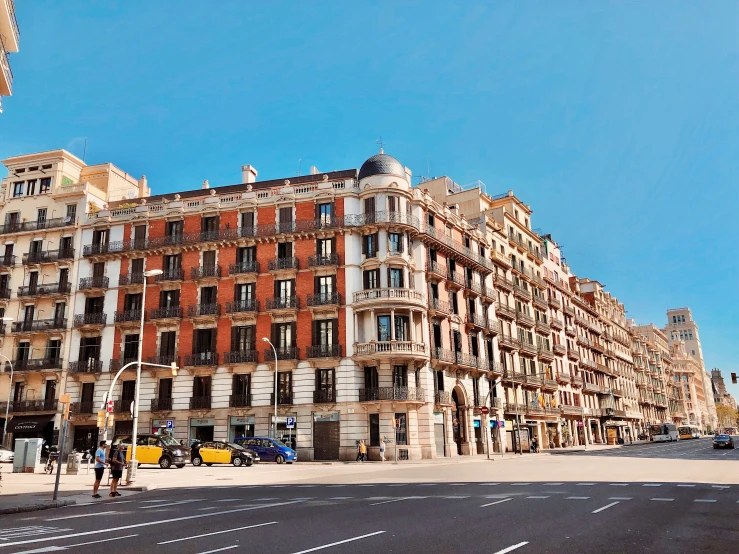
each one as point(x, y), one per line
point(269, 450)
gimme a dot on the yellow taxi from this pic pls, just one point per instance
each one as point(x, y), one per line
point(220, 452)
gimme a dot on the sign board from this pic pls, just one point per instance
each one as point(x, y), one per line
point(242, 420)
point(325, 416)
point(438, 417)
point(202, 421)
point(484, 410)
point(290, 422)
point(170, 424)
point(109, 406)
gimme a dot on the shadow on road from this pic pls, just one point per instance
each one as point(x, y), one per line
point(696, 449)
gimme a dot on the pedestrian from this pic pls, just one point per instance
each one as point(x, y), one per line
point(100, 464)
point(359, 451)
point(382, 450)
point(535, 445)
point(117, 461)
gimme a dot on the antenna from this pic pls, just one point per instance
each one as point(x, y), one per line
point(381, 143)
point(428, 170)
point(300, 166)
point(84, 152)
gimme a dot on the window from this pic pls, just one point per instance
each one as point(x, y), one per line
point(374, 425)
point(243, 338)
point(241, 385)
point(324, 214)
point(283, 335)
point(325, 284)
point(41, 217)
point(393, 204)
point(174, 229)
point(325, 332)
point(325, 380)
point(383, 328)
point(400, 376)
point(131, 347)
point(244, 293)
point(90, 348)
point(369, 245)
point(401, 328)
point(169, 299)
point(201, 387)
point(476, 390)
point(45, 185)
point(204, 344)
point(18, 189)
point(208, 295)
point(31, 187)
point(285, 384)
point(371, 379)
point(396, 242)
point(247, 224)
point(246, 254)
point(172, 263)
point(401, 433)
point(132, 302)
point(284, 250)
point(395, 277)
point(284, 289)
point(167, 346)
point(324, 248)
point(372, 279)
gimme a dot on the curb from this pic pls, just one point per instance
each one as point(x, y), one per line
point(37, 507)
point(139, 488)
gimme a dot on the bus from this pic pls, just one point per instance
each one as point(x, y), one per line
point(689, 432)
point(665, 432)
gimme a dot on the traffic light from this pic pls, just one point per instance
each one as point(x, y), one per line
point(174, 369)
point(101, 419)
point(733, 378)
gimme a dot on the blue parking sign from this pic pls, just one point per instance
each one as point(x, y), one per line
point(170, 424)
point(289, 422)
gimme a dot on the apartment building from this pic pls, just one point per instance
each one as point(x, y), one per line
point(43, 201)
point(721, 394)
point(666, 394)
point(9, 41)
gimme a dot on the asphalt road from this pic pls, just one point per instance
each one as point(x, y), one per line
point(693, 449)
point(525, 517)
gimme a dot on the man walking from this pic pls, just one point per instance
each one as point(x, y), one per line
point(382, 450)
point(99, 468)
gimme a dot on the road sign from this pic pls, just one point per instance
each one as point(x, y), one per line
point(397, 424)
point(170, 424)
point(110, 406)
point(289, 422)
point(484, 410)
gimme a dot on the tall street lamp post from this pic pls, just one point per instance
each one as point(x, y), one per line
point(274, 428)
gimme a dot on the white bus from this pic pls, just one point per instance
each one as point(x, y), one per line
point(665, 432)
point(689, 432)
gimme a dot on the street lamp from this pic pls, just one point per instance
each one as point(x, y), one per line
point(10, 388)
point(134, 438)
point(265, 339)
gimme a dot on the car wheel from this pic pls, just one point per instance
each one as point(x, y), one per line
point(249, 463)
point(179, 466)
point(165, 462)
point(209, 465)
point(196, 461)
point(237, 461)
point(280, 459)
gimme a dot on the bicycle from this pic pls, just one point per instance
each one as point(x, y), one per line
point(51, 461)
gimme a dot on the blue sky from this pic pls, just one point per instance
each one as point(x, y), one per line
point(616, 121)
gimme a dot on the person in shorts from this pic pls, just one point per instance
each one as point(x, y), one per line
point(100, 464)
point(117, 461)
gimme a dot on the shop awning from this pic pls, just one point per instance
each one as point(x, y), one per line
point(28, 424)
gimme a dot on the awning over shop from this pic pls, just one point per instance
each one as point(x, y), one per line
point(28, 424)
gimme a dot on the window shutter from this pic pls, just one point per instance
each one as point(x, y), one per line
point(388, 278)
point(293, 325)
point(365, 277)
point(335, 331)
point(218, 222)
point(292, 287)
point(277, 288)
point(364, 244)
point(176, 298)
point(333, 212)
point(213, 340)
point(314, 333)
point(234, 339)
point(274, 335)
point(316, 285)
point(401, 242)
point(333, 245)
point(391, 203)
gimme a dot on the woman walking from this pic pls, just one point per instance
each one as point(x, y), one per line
point(382, 450)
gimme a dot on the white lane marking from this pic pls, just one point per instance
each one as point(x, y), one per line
point(454, 497)
point(652, 485)
point(605, 507)
point(427, 484)
point(620, 498)
point(208, 508)
point(398, 485)
point(586, 484)
point(172, 503)
point(360, 537)
point(340, 498)
point(497, 502)
point(59, 548)
point(218, 532)
point(686, 486)
point(379, 497)
point(15, 532)
point(220, 549)
point(102, 540)
point(229, 499)
point(368, 485)
point(459, 484)
point(619, 484)
point(537, 497)
point(40, 550)
point(488, 484)
point(512, 548)
point(393, 500)
point(81, 515)
point(264, 499)
point(662, 499)
point(151, 501)
point(305, 486)
point(577, 497)
point(553, 484)
point(335, 486)
point(520, 484)
point(150, 523)
point(720, 486)
point(706, 500)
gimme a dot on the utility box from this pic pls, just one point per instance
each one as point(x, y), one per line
point(74, 460)
point(27, 455)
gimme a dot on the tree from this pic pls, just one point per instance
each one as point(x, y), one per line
point(727, 416)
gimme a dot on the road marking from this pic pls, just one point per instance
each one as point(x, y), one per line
point(229, 500)
point(619, 484)
point(520, 484)
point(459, 484)
point(620, 498)
point(341, 498)
point(577, 497)
point(537, 497)
point(686, 486)
point(393, 500)
point(149, 501)
point(304, 499)
point(81, 515)
point(148, 523)
point(398, 485)
point(586, 484)
point(208, 508)
point(427, 484)
point(59, 548)
point(305, 486)
point(498, 502)
point(218, 532)
point(488, 484)
point(220, 549)
point(172, 503)
point(706, 500)
point(652, 485)
point(554, 484)
point(511, 548)
point(454, 497)
point(605, 507)
point(379, 497)
point(360, 537)
point(662, 499)
point(720, 486)
point(7, 534)
point(368, 485)
point(264, 499)
point(335, 486)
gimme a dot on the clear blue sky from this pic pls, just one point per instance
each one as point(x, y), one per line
point(616, 121)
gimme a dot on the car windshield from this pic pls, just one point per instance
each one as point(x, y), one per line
point(169, 441)
point(280, 443)
point(235, 446)
point(723, 437)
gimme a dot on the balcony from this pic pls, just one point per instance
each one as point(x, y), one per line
point(473, 286)
point(32, 406)
point(519, 409)
point(506, 341)
point(324, 299)
point(200, 403)
point(7, 261)
point(161, 404)
point(327, 260)
point(617, 392)
point(563, 378)
point(542, 327)
point(167, 312)
point(48, 256)
point(127, 316)
point(521, 293)
point(476, 320)
point(86, 366)
point(443, 355)
point(540, 302)
point(102, 248)
point(37, 364)
point(569, 310)
point(467, 360)
point(283, 398)
point(39, 325)
point(40, 225)
point(170, 275)
point(436, 269)
point(577, 381)
point(206, 311)
point(588, 363)
point(243, 267)
point(240, 357)
point(397, 296)
point(591, 387)
point(571, 410)
point(488, 293)
point(281, 264)
point(573, 354)
point(161, 359)
point(86, 407)
point(492, 326)
point(123, 406)
point(324, 396)
point(581, 321)
point(557, 324)
point(560, 349)
point(524, 320)
point(283, 303)
point(511, 376)
point(239, 400)
point(283, 353)
point(534, 381)
point(504, 310)
point(455, 278)
point(390, 349)
point(201, 359)
point(503, 282)
point(527, 347)
point(442, 397)
point(549, 384)
point(117, 363)
point(90, 319)
point(129, 279)
point(545, 354)
point(581, 339)
point(45, 290)
point(392, 393)
point(439, 306)
point(554, 302)
point(90, 283)
point(205, 272)
point(242, 306)
point(570, 330)
point(324, 351)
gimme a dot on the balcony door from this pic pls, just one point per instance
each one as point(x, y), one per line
point(243, 338)
point(204, 344)
point(201, 387)
point(54, 350)
point(167, 346)
point(49, 392)
point(165, 389)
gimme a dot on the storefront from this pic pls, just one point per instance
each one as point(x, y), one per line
point(479, 437)
point(163, 426)
point(439, 434)
point(288, 436)
point(326, 436)
point(517, 438)
point(240, 426)
point(497, 432)
point(123, 427)
point(85, 437)
point(201, 428)
point(32, 427)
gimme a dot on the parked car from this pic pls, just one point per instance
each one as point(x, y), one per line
point(220, 452)
point(155, 449)
point(723, 441)
point(6, 454)
point(269, 450)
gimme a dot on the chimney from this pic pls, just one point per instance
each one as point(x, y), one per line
point(206, 184)
point(248, 174)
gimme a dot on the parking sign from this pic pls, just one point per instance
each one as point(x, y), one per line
point(170, 424)
point(290, 422)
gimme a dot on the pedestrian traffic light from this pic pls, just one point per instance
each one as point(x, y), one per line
point(733, 378)
point(174, 369)
point(101, 419)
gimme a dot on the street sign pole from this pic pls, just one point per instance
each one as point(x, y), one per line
point(59, 460)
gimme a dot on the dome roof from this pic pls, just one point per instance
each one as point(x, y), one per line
point(381, 164)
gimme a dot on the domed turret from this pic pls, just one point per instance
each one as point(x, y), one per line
point(381, 164)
